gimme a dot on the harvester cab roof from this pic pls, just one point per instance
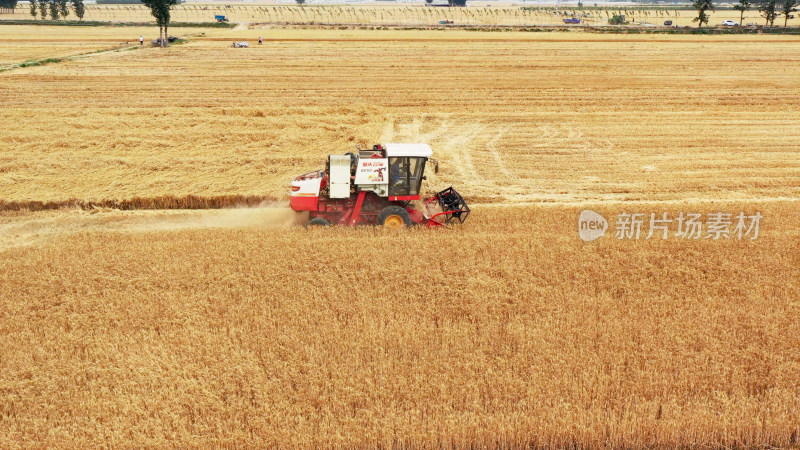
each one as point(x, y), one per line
point(373, 186)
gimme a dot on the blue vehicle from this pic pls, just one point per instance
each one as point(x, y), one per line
point(572, 20)
point(221, 18)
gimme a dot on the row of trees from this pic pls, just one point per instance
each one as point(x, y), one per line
point(161, 10)
point(769, 9)
point(57, 8)
point(8, 4)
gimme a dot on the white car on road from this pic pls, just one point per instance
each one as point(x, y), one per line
point(730, 23)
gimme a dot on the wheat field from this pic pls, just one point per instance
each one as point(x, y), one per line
point(175, 325)
point(558, 118)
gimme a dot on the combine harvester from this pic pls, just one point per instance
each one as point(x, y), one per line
point(376, 187)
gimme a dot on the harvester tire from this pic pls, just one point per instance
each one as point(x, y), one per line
point(318, 222)
point(394, 216)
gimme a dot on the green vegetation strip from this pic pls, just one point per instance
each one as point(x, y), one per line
point(45, 61)
point(40, 62)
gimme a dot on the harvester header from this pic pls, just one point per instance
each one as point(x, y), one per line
point(376, 187)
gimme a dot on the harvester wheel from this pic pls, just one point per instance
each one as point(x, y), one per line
point(318, 222)
point(394, 217)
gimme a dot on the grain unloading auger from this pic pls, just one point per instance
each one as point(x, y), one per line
point(376, 187)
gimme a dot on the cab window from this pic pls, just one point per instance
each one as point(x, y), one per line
point(405, 175)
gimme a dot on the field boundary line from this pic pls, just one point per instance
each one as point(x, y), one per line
point(139, 203)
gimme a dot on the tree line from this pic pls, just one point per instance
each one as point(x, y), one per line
point(769, 10)
point(8, 4)
point(57, 9)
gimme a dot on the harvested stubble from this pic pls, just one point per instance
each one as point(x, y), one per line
point(511, 120)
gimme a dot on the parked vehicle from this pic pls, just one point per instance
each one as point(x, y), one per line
point(169, 40)
point(221, 18)
point(572, 20)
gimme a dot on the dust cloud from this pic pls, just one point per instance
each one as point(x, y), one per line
point(26, 229)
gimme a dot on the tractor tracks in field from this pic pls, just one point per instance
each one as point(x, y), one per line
point(487, 155)
point(471, 147)
point(241, 26)
point(461, 150)
point(492, 147)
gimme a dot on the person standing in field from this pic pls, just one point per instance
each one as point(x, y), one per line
point(141, 40)
point(259, 40)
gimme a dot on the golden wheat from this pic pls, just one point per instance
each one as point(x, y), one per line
point(509, 331)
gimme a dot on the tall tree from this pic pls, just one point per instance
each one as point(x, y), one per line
point(743, 6)
point(789, 6)
point(160, 9)
point(80, 10)
point(33, 8)
point(53, 10)
point(63, 9)
point(767, 10)
point(43, 8)
point(702, 6)
point(8, 4)
point(168, 4)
